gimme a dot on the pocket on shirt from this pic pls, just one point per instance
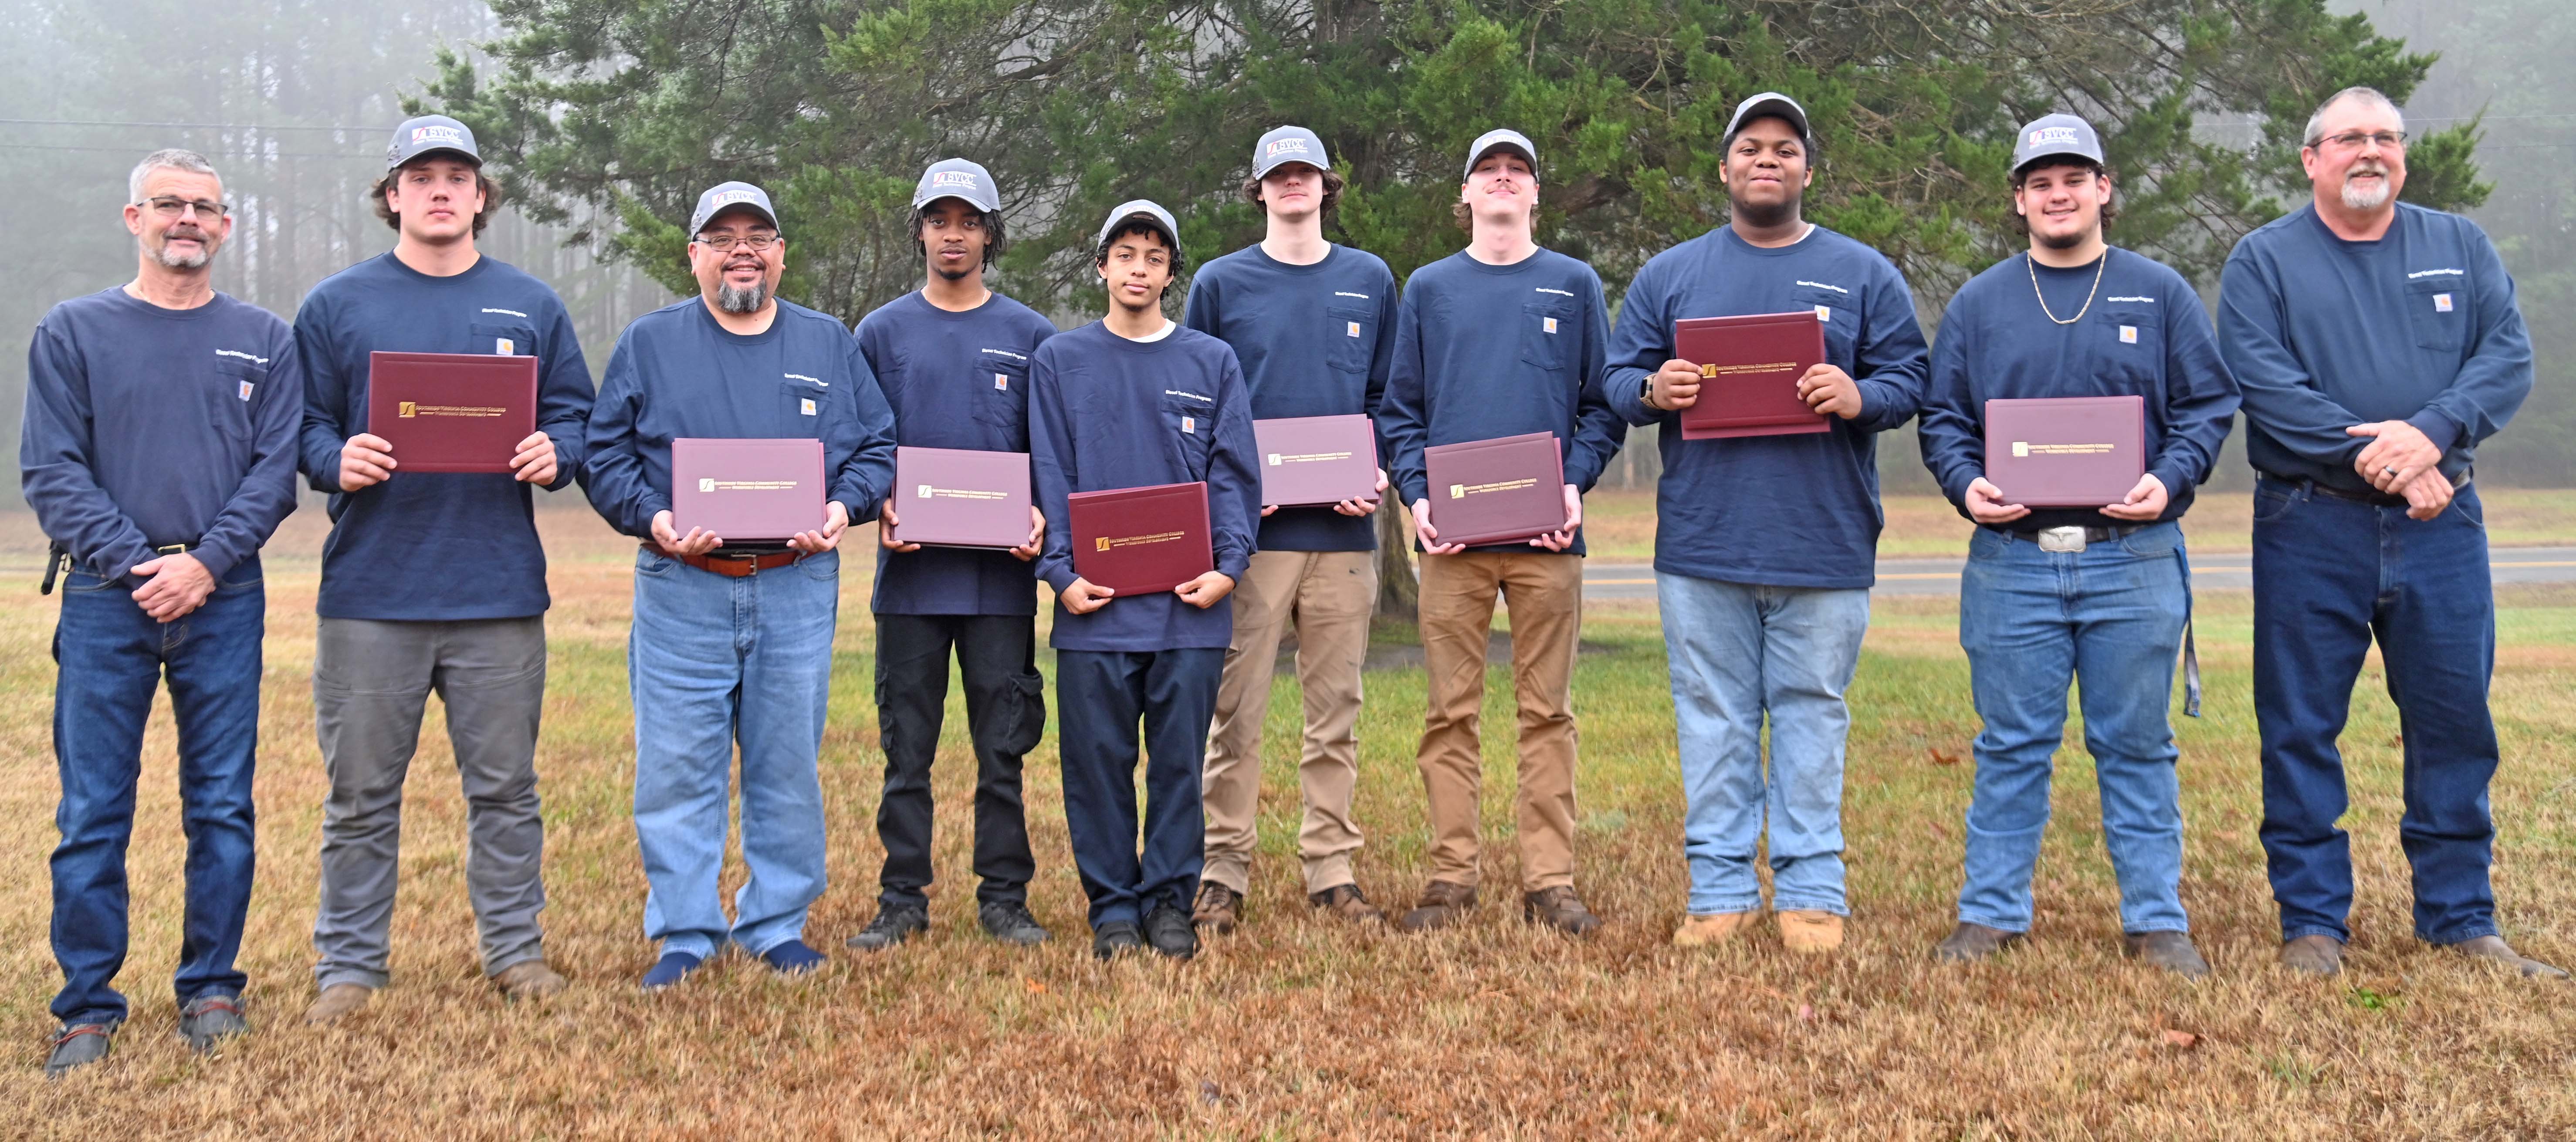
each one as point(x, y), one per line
point(2131, 344)
point(1353, 335)
point(999, 392)
point(801, 408)
point(2439, 310)
point(228, 400)
point(1547, 335)
point(1839, 316)
point(1188, 423)
point(504, 339)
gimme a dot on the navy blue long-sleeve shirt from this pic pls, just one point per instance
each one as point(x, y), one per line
point(954, 380)
point(1798, 510)
point(2323, 334)
point(424, 545)
point(1488, 351)
point(1314, 341)
point(2144, 334)
point(147, 427)
point(1106, 413)
point(676, 372)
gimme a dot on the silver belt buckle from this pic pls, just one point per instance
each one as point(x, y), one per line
point(2062, 539)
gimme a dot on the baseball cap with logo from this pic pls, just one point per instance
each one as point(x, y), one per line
point(966, 182)
point(2052, 135)
point(1502, 138)
point(726, 196)
point(1771, 104)
point(1288, 145)
point(1156, 216)
point(431, 134)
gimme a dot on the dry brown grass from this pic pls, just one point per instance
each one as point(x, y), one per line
point(1299, 1029)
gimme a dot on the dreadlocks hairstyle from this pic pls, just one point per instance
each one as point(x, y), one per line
point(997, 236)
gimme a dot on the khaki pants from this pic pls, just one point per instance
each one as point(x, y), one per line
point(1544, 592)
point(1328, 595)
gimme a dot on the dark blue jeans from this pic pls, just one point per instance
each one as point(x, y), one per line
point(1102, 696)
point(2329, 575)
point(111, 657)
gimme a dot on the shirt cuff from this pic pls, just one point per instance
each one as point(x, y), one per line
point(2438, 428)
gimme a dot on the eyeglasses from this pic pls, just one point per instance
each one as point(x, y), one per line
point(169, 207)
point(724, 243)
point(2353, 140)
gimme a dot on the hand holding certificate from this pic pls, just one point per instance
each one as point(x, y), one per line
point(1759, 375)
point(448, 412)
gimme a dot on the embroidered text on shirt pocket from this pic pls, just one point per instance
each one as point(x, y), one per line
point(2439, 309)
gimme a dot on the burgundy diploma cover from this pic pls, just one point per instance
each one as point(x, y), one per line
point(451, 412)
point(957, 497)
point(1749, 368)
point(1316, 459)
point(759, 489)
point(1136, 541)
point(1495, 491)
point(2066, 452)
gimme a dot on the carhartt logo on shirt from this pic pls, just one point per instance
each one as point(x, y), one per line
point(504, 346)
point(2441, 303)
point(244, 393)
point(1190, 425)
point(2128, 335)
point(1002, 381)
point(1824, 313)
point(1352, 329)
point(1547, 323)
point(805, 405)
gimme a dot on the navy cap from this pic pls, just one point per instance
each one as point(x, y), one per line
point(431, 134)
point(1773, 104)
point(1288, 145)
point(2052, 135)
point(967, 182)
point(1501, 138)
point(725, 196)
point(1140, 208)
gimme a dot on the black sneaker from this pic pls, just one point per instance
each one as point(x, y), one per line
point(1114, 938)
point(1168, 929)
point(77, 1045)
point(209, 1019)
point(1009, 922)
point(894, 924)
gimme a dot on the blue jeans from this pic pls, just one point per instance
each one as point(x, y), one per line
point(2328, 575)
point(1101, 697)
point(112, 657)
point(1737, 651)
point(715, 661)
point(2110, 619)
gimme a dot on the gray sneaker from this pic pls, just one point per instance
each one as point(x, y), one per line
point(894, 924)
point(209, 1019)
point(1009, 921)
point(77, 1045)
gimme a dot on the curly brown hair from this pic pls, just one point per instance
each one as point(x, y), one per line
point(1333, 184)
point(385, 213)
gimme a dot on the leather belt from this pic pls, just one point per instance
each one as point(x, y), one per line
point(741, 566)
point(2091, 534)
point(2375, 499)
point(58, 562)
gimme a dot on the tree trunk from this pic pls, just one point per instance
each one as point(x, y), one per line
point(1398, 591)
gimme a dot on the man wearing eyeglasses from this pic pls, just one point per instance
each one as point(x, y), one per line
point(158, 451)
point(2377, 343)
point(431, 581)
point(732, 641)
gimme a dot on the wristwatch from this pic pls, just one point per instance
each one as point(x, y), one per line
point(1646, 395)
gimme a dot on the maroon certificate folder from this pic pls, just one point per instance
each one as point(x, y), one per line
point(1496, 491)
point(2066, 452)
point(756, 490)
point(451, 412)
point(1316, 459)
point(1749, 368)
point(1137, 541)
point(956, 497)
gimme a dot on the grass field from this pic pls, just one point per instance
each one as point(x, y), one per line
point(1300, 1029)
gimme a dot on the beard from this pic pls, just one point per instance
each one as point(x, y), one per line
point(954, 275)
point(1777, 214)
point(162, 256)
point(2358, 198)
point(742, 300)
point(2062, 241)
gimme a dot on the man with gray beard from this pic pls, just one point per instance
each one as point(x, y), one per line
point(2377, 343)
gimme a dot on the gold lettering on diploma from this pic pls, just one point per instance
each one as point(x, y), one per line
point(1104, 543)
point(1712, 372)
point(415, 408)
point(2026, 448)
point(1279, 458)
point(745, 485)
point(1462, 491)
point(933, 492)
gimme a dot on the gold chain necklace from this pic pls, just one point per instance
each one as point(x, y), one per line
point(2032, 265)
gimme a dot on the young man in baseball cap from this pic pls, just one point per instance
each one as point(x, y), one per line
point(1500, 339)
point(431, 581)
point(2099, 596)
point(1134, 400)
point(1314, 325)
point(953, 360)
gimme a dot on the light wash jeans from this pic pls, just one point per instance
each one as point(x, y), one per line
point(714, 661)
point(1737, 652)
point(2109, 618)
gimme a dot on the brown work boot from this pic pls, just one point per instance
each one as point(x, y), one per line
point(338, 1001)
point(1218, 908)
point(1443, 903)
point(1969, 943)
point(529, 980)
point(2494, 948)
point(1810, 933)
point(1560, 909)
point(1708, 931)
point(2171, 951)
point(1345, 902)
point(2313, 955)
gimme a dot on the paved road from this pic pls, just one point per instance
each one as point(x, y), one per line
point(1603, 580)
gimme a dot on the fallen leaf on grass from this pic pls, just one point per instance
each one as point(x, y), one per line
point(1941, 758)
point(1035, 988)
point(2183, 1040)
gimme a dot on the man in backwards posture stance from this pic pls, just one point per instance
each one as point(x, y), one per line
point(1767, 550)
point(2377, 344)
point(732, 643)
point(953, 359)
point(1314, 325)
point(431, 581)
point(2100, 596)
point(1133, 400)
point(1500, 339)
point(159, 453)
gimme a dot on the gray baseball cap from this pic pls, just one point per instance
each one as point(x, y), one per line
point(1140, 208)
point(726, 196)
point(2052, 135)
point(1498, 139)
point(1288, 145)
point(431, 134)
point(964, 181)
point(1771, 103)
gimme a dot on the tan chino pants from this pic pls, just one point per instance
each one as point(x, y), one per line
point(1544, 591)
